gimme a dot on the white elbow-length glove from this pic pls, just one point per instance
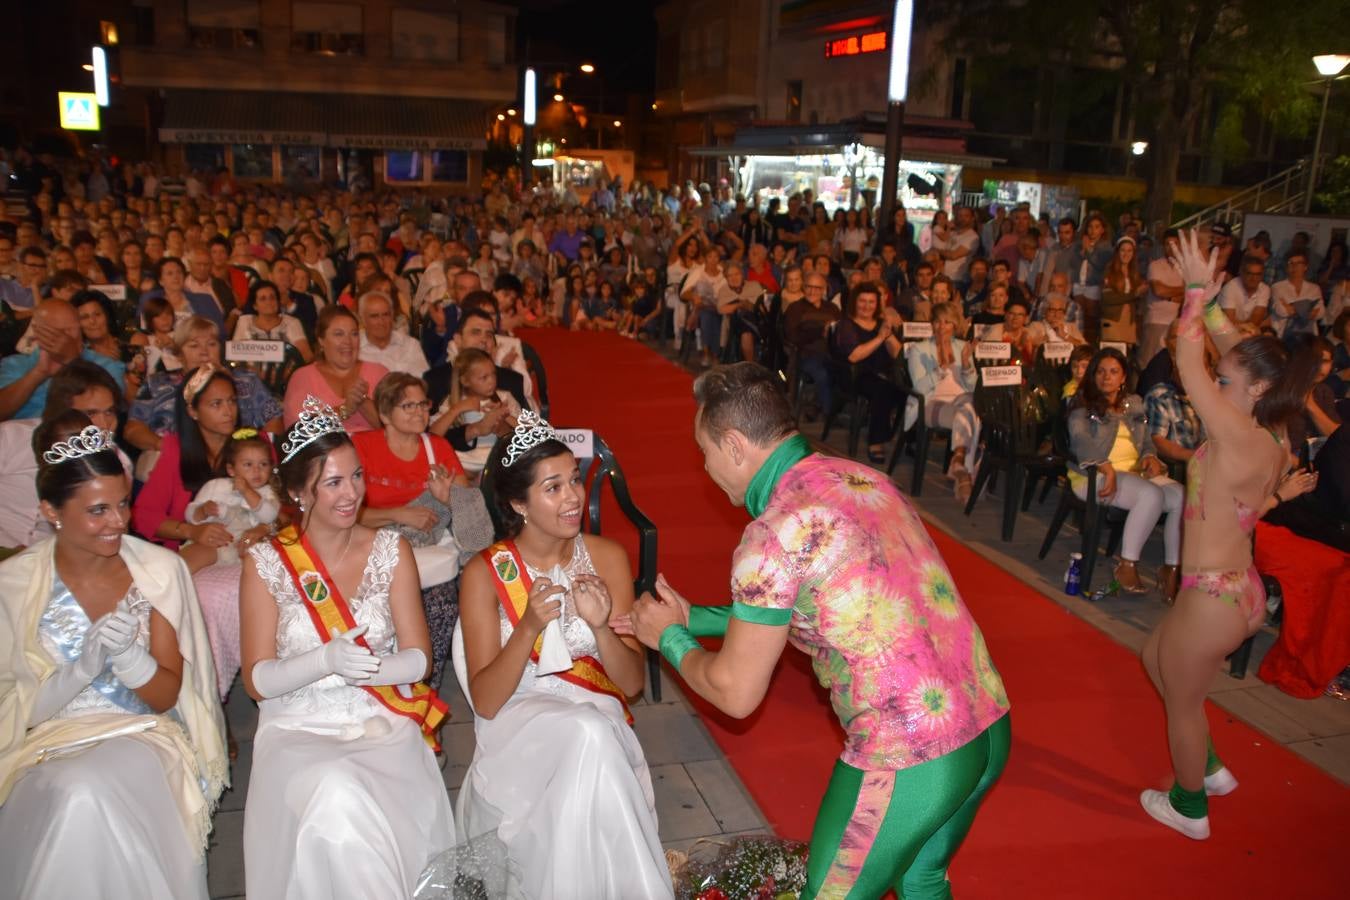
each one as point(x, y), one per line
point(340, 656)
point(404, 667)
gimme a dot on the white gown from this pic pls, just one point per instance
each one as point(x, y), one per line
point(339, 805)
point(101, 822)
point(561, 779)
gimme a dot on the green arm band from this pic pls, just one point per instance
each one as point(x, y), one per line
point(675, 643)
point(760, 615)
point(709, 621)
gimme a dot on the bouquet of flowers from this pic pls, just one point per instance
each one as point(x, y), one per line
point(746, 868)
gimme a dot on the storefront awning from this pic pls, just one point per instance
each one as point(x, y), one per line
point(911, 151)
point(323, 120)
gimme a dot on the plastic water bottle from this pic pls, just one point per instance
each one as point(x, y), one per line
point(1073, 578)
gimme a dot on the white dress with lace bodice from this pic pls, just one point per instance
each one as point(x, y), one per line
point(339, 805)
point(559, 777)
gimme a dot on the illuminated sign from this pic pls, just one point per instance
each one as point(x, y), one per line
point(79, 112)
point(872, 42)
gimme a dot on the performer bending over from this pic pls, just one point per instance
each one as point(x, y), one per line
point(1233, 479)
point(839, 563)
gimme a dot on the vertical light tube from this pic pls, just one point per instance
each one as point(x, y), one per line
point(101, 76)
point(529, 96)
point(901, 28)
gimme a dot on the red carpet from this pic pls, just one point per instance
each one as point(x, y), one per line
point(1064, 821)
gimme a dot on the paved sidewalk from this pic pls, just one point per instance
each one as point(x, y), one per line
point(698, 796)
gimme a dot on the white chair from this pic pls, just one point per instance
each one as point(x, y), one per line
point(461, 666)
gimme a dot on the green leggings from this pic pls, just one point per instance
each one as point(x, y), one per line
point(882, 830)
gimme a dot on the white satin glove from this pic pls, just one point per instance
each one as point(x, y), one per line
point(66, 683)
point(131, 662)
point(404, 667)
point(340, 656)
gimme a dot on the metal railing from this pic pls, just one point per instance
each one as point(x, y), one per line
point(1281, 192)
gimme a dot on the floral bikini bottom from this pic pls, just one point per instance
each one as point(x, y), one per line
point(1241, 589)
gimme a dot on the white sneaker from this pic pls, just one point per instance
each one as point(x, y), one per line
point(1220, 783)
point(1159, 806)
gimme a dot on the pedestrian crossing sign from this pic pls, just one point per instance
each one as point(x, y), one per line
point(79, 112)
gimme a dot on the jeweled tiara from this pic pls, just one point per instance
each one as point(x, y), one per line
point(89, 441)
point(316, 419)
point(531, 430)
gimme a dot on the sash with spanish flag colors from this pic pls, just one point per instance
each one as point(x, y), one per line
point(328, 610)
point(513, 582)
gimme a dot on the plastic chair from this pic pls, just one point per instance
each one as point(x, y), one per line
point(1010, 445)
point(275, 375)
point(535, 365)
point(918, 437)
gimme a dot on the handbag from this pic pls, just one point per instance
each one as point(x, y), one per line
point(462, 529)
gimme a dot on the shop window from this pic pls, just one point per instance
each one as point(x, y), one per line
point(420, 34)
point(206, 158)
point(223, 24)
point(300, 164)
point(251, 160)
point(450, 165)
point(402, 165)
point(327, 29)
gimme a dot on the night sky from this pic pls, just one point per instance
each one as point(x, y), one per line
point(618, 37)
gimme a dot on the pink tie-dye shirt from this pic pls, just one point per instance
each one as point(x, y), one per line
point(869, 597)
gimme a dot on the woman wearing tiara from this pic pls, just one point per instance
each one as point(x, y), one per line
point(345, 798)
point(112, 752)
point(558, 775)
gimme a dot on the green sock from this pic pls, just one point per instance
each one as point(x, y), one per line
point(1191, 804)
point(1212, 763)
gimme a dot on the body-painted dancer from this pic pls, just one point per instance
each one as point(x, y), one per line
point(1233, 479)
point(838, 563)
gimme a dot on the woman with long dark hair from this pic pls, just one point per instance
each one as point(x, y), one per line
point(558, 775)
point(1233, 479)
point(345, 799)
point(206, 413)
point(1108, 429)
point(109, 655)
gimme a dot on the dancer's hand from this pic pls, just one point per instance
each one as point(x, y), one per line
point(653, 615)
point(1193, 265)
point(543, 606)
point(592, 599)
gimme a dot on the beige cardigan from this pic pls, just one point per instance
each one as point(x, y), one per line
point(195, 762)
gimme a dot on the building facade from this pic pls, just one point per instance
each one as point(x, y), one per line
point(363, 92)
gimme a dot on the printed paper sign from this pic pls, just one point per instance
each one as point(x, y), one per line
point(993, 350)
point(914, 331)
point(581, 441)
point(1123, 347)
point(111, 291)
point(255, 351)
point(1001, 376)
point(1059, 351)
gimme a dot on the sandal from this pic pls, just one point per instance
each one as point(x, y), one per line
point(876, 457)
point(1169, 580)
point(1127, 576)
point(963, 485)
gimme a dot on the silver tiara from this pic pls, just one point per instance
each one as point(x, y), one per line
point(531, 430)
point(316, 419)
point(89, 441)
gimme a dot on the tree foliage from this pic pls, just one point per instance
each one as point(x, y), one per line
point(1241, 56)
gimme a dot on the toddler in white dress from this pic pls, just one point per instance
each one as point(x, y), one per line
point(245, 499)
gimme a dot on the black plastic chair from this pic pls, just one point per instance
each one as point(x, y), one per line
point(595, 471)
point(1091, 514)
point(535, 365)
point(414, 277)
point(920, 436)
point(1010, 447)
point(275, 375)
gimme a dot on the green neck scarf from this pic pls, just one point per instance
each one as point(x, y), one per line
point(785, 456)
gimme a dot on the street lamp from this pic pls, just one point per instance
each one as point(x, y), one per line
point(588, 68)
point(1329, 66)
point(897, 90)
point(557, 98)
point(1139, 148)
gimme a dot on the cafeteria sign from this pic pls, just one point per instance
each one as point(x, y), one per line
point(79, 112)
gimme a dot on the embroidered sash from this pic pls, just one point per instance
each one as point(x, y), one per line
point(328, 610)
point(512, 583)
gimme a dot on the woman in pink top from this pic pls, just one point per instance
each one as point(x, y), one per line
point(1233, 479)
point(337, 376)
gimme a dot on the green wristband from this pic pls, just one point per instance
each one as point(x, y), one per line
point(675, 643)
point(709, 621)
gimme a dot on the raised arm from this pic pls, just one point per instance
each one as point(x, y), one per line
point(1199, 313)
